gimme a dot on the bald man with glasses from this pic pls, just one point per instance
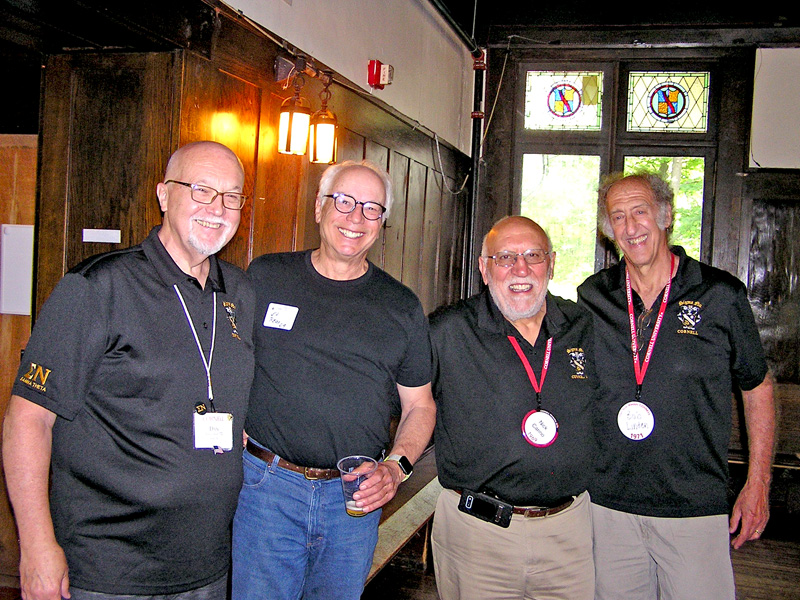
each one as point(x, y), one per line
point(514, 386)
point(119, 442)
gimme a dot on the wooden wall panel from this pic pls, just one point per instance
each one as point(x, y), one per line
point(221, 107)
point(18, 157)
point(415, 214)
point(429, 260)
point(107, 136)
point(396, 223)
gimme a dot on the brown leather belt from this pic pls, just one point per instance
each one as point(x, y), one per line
point(532, 512)
point(311, 473)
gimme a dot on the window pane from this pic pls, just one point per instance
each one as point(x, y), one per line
point(560, 100)
point(559, 192)
point(686, 176)
point(671, 102)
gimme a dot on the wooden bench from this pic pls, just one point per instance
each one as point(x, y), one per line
point(407, 513)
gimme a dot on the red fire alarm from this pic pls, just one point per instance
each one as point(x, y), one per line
point(374, 74)
point(379, 75)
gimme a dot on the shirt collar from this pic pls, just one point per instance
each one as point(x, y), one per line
point(168, 270)
point(688, 272)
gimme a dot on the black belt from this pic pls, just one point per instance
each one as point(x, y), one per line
point(312, 473)
point(540, 511)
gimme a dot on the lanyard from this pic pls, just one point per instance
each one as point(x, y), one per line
point(638, 369)
point(206, 363)
point(536, 384)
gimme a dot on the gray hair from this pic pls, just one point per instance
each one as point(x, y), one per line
point(332, 173)
point(662, 193)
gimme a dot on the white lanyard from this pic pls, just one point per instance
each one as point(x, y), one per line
point(206, 363)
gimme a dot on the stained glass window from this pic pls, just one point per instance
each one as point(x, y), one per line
point(563, 100)
point(668, 102)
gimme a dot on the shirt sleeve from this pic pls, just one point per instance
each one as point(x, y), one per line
point(415, 369)
point(64, 347)
point(748, 363)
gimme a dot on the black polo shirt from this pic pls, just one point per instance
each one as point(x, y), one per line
point(482, 394)
point(136, 508)
point(708, 342)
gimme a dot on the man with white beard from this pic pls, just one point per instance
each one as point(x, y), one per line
point(514, 385)
point(123, 462)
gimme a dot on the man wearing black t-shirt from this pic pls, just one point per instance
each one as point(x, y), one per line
point(514, 384)
point(341, 348)
point(673, 339)
point(133, 389)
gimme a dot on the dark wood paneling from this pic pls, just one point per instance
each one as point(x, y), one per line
point(394, 233)
point(109, 121)
point(429, 265)
point(773, 275)
point(415, 214)
point(221, 107)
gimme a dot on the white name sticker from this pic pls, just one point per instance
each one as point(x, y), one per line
point(213, 430)
point(280, 316)
point(635, 420)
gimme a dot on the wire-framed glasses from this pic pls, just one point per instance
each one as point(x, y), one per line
point(509, 259)
point(345, 203)
point(206, 195)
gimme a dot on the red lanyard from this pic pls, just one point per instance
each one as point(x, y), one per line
point(640, 370)
point(536, 384)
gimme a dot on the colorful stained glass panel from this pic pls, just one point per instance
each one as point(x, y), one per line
point(563, 100)
point(669, 102)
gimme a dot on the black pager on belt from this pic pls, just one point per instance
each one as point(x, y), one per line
point(486, 508)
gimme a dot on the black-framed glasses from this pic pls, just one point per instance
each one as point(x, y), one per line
point(509, 259)
point(206, 195)
point(345, 203)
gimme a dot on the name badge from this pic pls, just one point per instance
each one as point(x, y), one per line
point(213, 430)
point(635, 420)
point(539, 428)
point(280, 316)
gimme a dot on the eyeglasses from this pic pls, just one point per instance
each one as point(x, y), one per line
point(206, 195)
point(372, 211)
point(509, 259)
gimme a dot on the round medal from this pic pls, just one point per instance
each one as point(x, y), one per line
point(635, 420)
point(539, 428)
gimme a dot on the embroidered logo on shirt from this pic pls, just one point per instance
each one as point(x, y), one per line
point(36, 377)
point(577, 360)
point(230, 311)
point(689, 316)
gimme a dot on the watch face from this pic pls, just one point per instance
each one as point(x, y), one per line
point(405, 464)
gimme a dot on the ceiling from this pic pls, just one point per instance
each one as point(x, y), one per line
point(478, 18)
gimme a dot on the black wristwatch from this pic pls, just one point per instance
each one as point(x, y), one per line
point(405, 465)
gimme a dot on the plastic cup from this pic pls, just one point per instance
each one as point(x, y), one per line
point(354, 470)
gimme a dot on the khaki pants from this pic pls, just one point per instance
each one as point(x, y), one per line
point(544, 558)
point(644, 558)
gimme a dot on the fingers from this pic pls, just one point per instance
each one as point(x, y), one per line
point(378, 489)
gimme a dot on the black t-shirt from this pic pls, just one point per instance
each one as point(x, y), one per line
point(136, 508)
point(483, 392)
point(708, 342)
point(329, 356)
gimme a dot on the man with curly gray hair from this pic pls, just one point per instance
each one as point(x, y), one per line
point(659, 495)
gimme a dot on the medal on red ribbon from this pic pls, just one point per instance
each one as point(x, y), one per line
point(539, 427)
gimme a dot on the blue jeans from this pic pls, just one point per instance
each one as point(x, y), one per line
point(292, 538)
